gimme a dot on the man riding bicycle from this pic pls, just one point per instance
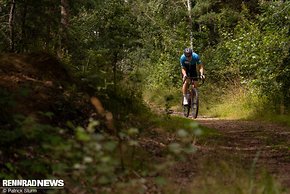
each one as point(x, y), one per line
point(190, 64)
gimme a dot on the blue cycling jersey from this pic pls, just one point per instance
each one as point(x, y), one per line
point(190, 65)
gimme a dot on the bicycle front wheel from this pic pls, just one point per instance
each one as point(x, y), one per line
point(194, 103)
point(186, 110)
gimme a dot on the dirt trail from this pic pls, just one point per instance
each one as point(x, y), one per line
point(270, 143)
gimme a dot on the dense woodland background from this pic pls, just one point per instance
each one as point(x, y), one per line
point(126, 53)
point(243, 44)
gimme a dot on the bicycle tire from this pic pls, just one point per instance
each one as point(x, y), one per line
point(194, 103)
point(186, 109)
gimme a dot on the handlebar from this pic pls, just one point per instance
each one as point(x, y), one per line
point(192, 78)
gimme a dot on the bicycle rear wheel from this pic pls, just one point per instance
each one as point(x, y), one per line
point(194, 103)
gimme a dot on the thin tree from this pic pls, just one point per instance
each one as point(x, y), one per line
point(23, 37)
point(64, 25)
point(190, 22)
point(11, 25)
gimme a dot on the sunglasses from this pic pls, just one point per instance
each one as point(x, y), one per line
point(188, 56)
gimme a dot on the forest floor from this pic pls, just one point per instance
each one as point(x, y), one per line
point(248, 138)
point(241, 150)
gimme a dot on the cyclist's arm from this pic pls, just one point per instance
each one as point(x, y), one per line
point(200, 66)
point(183, 68)
point(183, 71)
point(201, 69)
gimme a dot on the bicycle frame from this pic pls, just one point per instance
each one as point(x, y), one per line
point(192, 97)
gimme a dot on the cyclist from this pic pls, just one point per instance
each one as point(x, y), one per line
point(190, 64)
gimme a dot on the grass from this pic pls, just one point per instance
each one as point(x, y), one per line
point(163, 98)
point(275, 118)
point(175, 123)
point(236, 104)
point(222, 177)
point(239, 103)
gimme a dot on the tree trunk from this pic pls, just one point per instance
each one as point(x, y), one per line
point(63, 26)
point(190, 22)
point(11, 25)
point(23, 41)
point(64, 14)
point(115, 61)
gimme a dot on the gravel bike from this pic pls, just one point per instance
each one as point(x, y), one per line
point(192, 98)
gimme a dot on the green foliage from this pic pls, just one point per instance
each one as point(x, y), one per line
point(88, 160)
point(164, 73)
point(164, 99)
point(254, 54)
point(21, 141)
point(91, 155)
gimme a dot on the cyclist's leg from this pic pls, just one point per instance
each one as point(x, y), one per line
point(184, 91)
point(195, 84)
point(185, 87)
